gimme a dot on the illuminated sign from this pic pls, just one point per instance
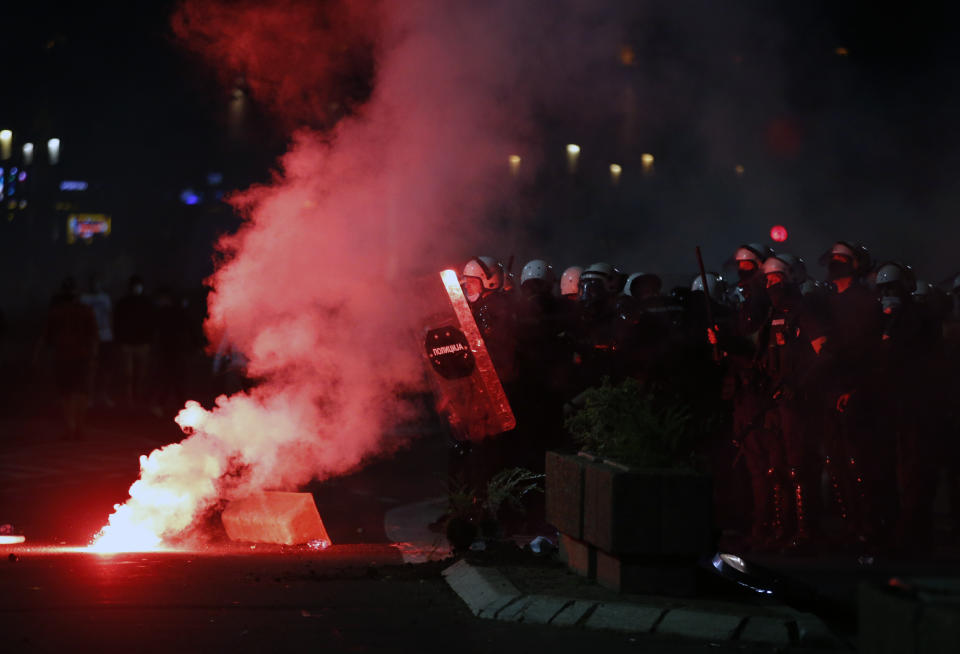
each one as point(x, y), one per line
point(73, 185)
point(84, 226)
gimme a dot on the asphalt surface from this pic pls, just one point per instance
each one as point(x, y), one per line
point(347, 598)
point(357, 595)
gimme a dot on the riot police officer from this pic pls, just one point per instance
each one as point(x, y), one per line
point(784, 368)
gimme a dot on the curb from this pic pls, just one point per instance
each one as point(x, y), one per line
point(489, 594)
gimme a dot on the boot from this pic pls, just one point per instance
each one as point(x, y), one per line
point(801, 540)
point(762, 509)
point(777, 532)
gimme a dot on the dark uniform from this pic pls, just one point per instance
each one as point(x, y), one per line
point(847, 400)
point(908, 354)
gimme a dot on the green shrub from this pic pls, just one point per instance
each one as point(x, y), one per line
point(630, 425)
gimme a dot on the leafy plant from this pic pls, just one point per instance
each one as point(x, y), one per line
point(631, 425)
point(472, 511)
point(510, 486)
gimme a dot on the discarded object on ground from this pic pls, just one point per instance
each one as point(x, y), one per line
point(275, 517)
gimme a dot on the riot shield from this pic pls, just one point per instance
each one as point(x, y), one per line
point(465, 383)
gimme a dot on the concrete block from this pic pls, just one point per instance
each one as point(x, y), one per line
point(686, 528)
point(572, 614)
point(766, 630)
point(813, 632)
point(621, 510)
point(887, 620)
point(485, 591)
point(647, 512)
point(274, 517)
point(542, 608)
point(579, 556)
point(700, 624)
point(657, 575)
point(564, 493)
point(939, 631)
point(633, 618)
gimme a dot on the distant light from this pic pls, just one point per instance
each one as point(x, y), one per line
point(22, 176)
point(6, 143)
point(627, 55)
point(515, 162)
point(73, 185)
point(23, 204)
point(189, 197)
point(27, 154)
point(615, 172)
point(778, 233)
point(53, 151)
point(646, 159)
point(85, 226)
point(841, 51)
point(738, 169)
point(573, 154)
point(214, 179)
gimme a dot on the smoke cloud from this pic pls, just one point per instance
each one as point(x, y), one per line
point(315, 288)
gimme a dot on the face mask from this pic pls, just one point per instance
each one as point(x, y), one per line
point(890, 303)
point(746, 275)
point(839, 269)
point(777, 295)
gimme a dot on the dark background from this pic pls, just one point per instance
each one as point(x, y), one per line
point(858, 146)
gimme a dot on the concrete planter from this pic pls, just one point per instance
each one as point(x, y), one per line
point(639, 530)
point(910, 616)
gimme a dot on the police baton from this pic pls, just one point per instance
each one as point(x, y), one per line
point(706, 301)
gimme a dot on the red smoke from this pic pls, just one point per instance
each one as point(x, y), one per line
point(317, 288)
point(306, 61)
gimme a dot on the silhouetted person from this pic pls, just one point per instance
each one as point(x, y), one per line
point(102, 371)
point(71, 333)
point(172, 341)
point(133, 330)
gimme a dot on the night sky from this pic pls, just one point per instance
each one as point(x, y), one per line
point(858, 146)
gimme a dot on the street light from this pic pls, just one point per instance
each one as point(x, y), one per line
point(646, 159)
point(615, 171)
point(53, 151)
point(27, 154)
point(6, 142)
point(573, 154)
point(515, 161)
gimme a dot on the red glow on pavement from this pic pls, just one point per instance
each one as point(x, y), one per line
point(778, 233)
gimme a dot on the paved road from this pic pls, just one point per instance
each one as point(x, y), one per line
point(356, 596)
point(347, 598)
